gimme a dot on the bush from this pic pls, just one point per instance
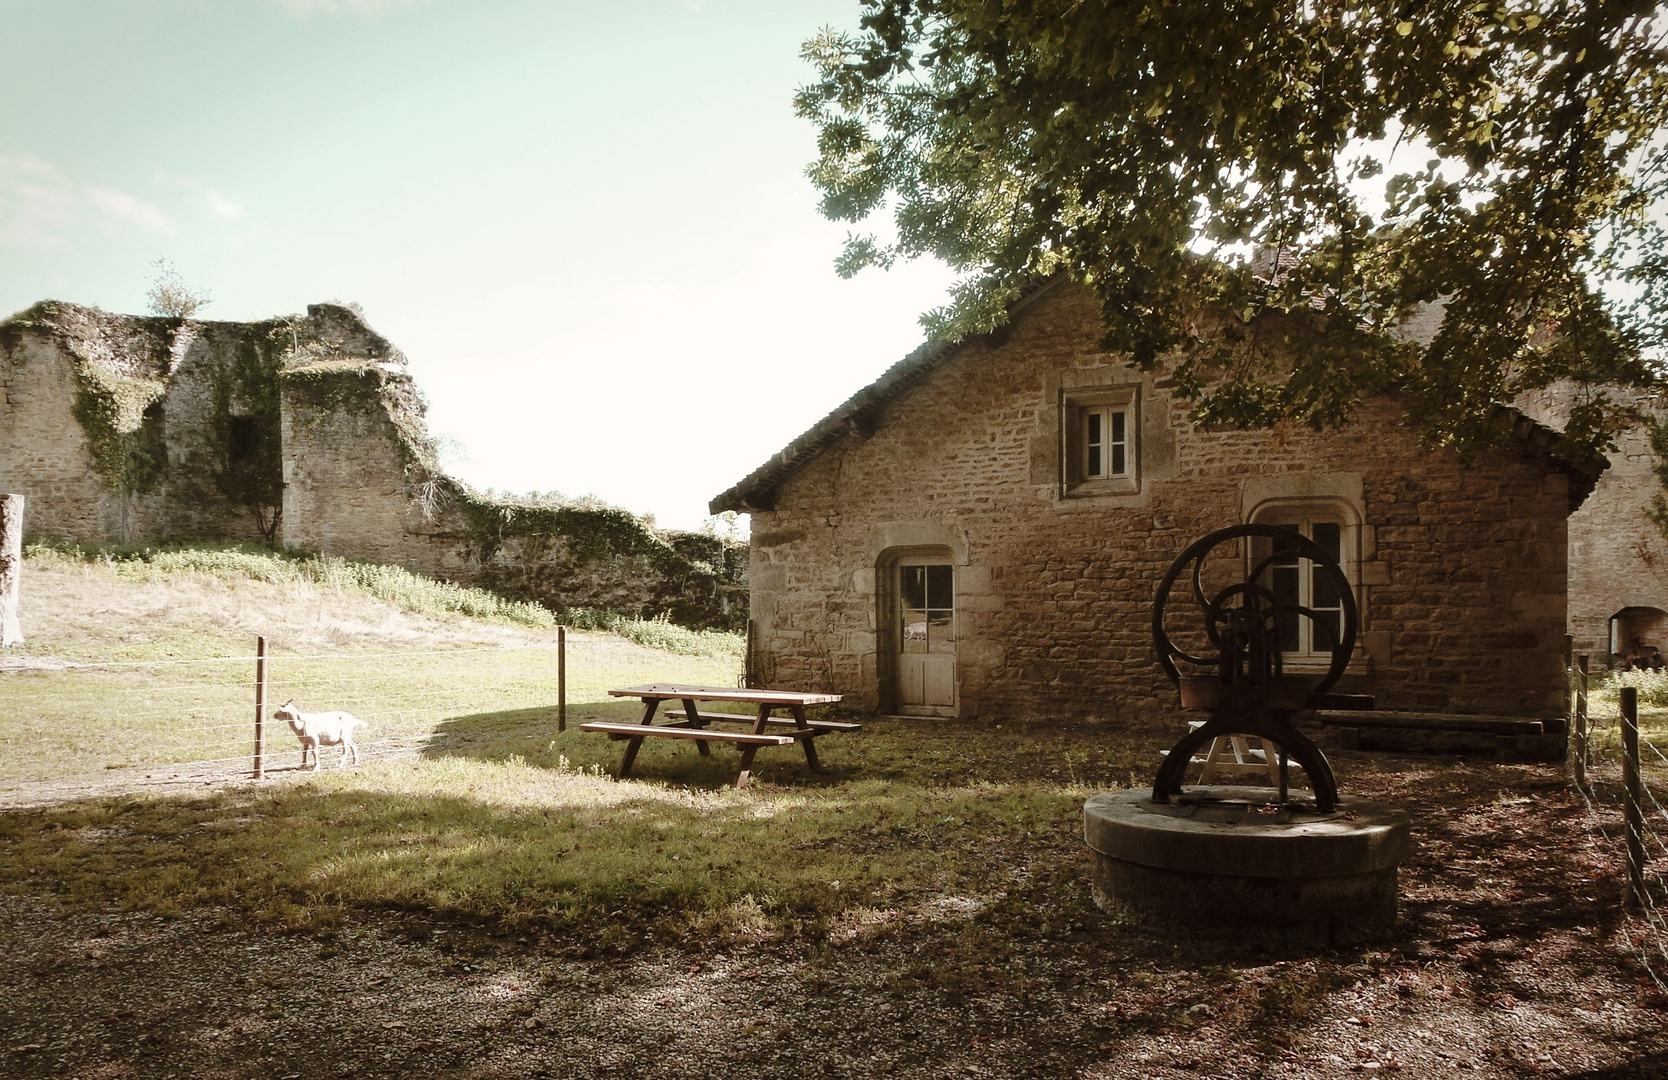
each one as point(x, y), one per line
point(1652, 686)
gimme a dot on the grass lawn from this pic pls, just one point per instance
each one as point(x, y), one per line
point(935, 870)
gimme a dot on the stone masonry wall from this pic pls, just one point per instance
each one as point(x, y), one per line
point(1460, 567)
point(1618, 557)
point(334, 414)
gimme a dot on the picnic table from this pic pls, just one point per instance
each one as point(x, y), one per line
point(695, 724)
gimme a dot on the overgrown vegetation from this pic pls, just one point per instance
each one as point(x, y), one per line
point(121, 418)
point(413, 592)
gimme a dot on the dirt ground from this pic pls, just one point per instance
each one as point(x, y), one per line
point(1510, 960)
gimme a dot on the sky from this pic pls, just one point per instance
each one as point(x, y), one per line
point(586, 225)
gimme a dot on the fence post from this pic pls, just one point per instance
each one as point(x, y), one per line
point(11, 568)
point(561, 678)
point(1580, 722)
point(749, 674)
point(260, 707)
point(1635, 897)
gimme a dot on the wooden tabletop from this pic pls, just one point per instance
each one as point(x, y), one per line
point(675, 691)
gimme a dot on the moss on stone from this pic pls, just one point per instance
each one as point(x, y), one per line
point(123, 427)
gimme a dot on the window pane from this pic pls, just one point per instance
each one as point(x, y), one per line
point(1118, 427)
point(941, 590)
point(1284, 584)
point(913, 586)
point(1328, 631)
point(914, 634)
point(1118, 460)
point(1325, 591)
point(1330, 536)
point(941, 632)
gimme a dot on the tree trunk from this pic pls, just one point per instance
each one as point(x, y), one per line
point(11, 567)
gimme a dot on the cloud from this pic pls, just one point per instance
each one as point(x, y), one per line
point(40, 206)
point(122, 208)
point(218, 204)
point(304, 8)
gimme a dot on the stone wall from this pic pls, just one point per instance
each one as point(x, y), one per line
point(1460, 567)
point(1618, 557)
point(307, 431)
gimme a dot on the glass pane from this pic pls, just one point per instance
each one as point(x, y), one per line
point(1325, 591)
point(1118, 427)
point(1330, 535)
point(1094, 429)
point(912, 586)
point(941, 587)
point(914, 634)
point(1329, 630)
point(941, 632)
point(1117, 460)
point(1287, 623)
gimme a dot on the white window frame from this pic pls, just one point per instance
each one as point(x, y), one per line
point(1081, 475)
point(1303, 516)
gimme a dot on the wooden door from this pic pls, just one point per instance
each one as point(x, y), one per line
point(926, 636)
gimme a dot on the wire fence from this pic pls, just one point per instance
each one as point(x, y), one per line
point(1620, 770)
point(195, 718)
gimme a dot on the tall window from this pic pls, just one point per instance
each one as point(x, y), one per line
point(1300, 582)
point(1106, 443)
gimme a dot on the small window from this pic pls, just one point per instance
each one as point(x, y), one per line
point(1101, 448)
point(243, 439)
point(1106, 443)
point(927, 609)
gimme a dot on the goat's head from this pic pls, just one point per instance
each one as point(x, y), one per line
point(287, 712)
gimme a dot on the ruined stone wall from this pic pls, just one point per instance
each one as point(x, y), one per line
point(43, 451)
point(1460, 568)
point(108, 425)
point(308, 431)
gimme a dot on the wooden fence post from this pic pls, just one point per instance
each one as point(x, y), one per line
point(561, 678)
point(749, 673)
point(1635, 897)
point(1579, 722)
point(11, 568)
point(260, 707)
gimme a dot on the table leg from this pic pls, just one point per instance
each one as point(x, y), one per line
point(692, 714)
point(748, 751)
point(633, 745)
point(810, 743)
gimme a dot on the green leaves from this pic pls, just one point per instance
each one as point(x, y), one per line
point(1144, 148)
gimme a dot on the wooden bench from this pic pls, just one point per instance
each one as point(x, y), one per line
point(821, 727)
point(693, 724)
point(1512, 734)
point(617, 732)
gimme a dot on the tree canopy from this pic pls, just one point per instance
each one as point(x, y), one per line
point(1207, 167)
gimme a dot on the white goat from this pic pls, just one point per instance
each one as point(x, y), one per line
point(320, 729)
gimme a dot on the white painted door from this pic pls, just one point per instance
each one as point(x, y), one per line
point(926, 635)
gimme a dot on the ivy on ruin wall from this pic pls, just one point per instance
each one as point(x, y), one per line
point(583, 555)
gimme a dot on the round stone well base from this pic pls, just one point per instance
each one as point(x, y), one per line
point(1220, 860)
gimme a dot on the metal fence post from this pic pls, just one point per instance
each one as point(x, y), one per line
point(561, 678)
point(1635, 898)
point(1580, 722)
point(260, 707)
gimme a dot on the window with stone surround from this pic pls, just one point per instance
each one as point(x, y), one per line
point(1306, 641)
point(1101, 447)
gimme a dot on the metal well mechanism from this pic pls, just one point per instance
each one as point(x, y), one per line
point(1239, 672)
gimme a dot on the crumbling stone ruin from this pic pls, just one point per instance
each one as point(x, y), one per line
point(305, 431)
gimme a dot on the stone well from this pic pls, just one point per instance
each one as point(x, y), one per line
point(1225, 859)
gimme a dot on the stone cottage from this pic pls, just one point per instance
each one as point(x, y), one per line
point(305, 431)
point(981, 531)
